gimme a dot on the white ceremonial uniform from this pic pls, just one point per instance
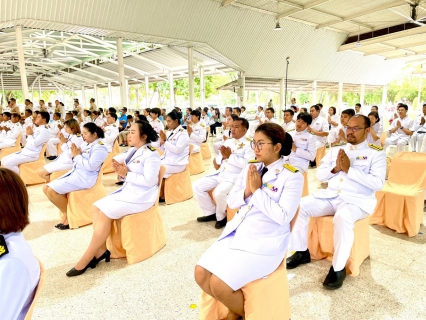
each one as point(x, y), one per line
point(157, 125)
point(27, 123)
point(349, 197)
point(9, 140)
point(295, 116)
point(54, 129)
point(305, 152)
point(220, 140)
point(30, 152)
point(416, 139)
point(255, 241)
point(85, 170)
point(52, 143)
point(320, 124)
point(176, 151)
point(378, 129)
point(272, 120)
point(243, 115)
point(289, 127)
point(64, 161)
point(140, 191)
point(333, 136)
point(111, 134)
point(322, 114)
point(205, 119)
point(198, 135)
point(224, 178)
point(255, 123)
point(399, 137)
point(6, 124)
point(99, 122)
point(19, 277)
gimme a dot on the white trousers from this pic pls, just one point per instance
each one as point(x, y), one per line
point(13, 161)
point(23, 138)
point(216, 146)
point(416, 141)
point(201, 188)
point(345, 216)
point(51, 147)
point(399, 142)
point(4, 145)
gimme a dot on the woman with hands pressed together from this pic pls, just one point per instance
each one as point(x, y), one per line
point(140, 165)
point(86, 164)
point(255, 241)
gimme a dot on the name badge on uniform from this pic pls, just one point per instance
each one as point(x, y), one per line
point(361, 158)
point(86, 151)
point(303, 139)
point(270, 187)
point(137, 161)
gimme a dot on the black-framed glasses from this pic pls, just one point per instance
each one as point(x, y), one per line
point(258, 145)
point(354, 129)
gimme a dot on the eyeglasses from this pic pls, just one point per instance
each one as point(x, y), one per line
point(354, 129)
point(258, 145)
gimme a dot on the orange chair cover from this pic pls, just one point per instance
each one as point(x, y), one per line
point(205, 151)
point(6, 151)
point(196, 163)
point(108, 162)
point(400, 202)
point(79, 210)
point(383, 138)
point(320, 155)
point(266, 298)
point(178, 187)
point(305, 191)
point(55, 175)
point(28, 171)
point(230, 213)
point(321, 245)
point(39, 288)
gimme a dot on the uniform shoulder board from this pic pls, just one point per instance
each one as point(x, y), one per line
point(114, 125)
point(338, 144)
point(78, 135)
point(151, 148)
point(3, 247)
point(290, 168)
point(158, 120)
point(203, 125)
point(375, 147)
point(253, 161)
point(249, 139)
point(180, 130)
point(101, 143)
point(46, 126)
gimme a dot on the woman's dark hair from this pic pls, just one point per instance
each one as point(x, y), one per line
point(234, 117)
point(146, 129)
point(93, 128)
point(112, 110)
point(196, 113)
point(217, 112)
point(14, 202)
point(334, 110)
point(375, 115)
point(88, 112)
point(304, 110)
point(157, 111)
point(277, 135)
point(73, 125)
point(175, 116)
point(205, 109)
point(305, 117)
point(141, 117)
point(100, 110)
point(113, 115)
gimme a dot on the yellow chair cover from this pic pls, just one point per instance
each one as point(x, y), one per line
point(320, 155)
point(6, 151)
point(266, 298)
point(178, 187)
point(321, 245)
point(205, 151)
point(39, 288)
point(400, 202)
point(28, 171)
point(196, 163)
point(305, 191)
point(108, 162)
point(80, 203)
point(138, 236)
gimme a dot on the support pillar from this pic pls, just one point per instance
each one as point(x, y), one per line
point(171, 90)
point(384, 99)
point(21, 58)
point(95, 93)
point(109, 95)
point(191, 76)
point(314, 92)
point(340, 97)
point(122, 79)
point(137, 95)
point(146, 92)
point(83, 97)
point(362, 95)
point(39, 89)
point(282, 97)
point(420, 92)
point(202, 88)
point(127, 93)
point(2, 89)
point(241, 88)
point(258, 99)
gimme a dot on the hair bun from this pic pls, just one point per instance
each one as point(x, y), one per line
point(288, 144)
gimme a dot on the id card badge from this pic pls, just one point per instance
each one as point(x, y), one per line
point(3, 247)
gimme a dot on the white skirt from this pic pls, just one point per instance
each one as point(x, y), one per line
point(173, 169)
point(114, 207)
point(57, 166)
point(236, 267)
point(61, 186)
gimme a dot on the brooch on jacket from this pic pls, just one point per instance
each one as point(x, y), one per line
point(270, 187)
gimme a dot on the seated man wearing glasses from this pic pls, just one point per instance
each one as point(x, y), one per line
point(354, 173)
point(233, 156)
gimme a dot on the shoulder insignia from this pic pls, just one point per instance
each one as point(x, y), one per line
point(158, 120)
point(101, 143)
point(114, 125)
point(202, 125)
point(78, 135)
point(253, 161)
point(290, 168)
point(46, 126)
point(338, 144)
point(3, 247)
point(180, 130)
point(375, 147)
point(249, 139)
point(151, 148)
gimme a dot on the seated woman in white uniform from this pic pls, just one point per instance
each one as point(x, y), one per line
point(175, 145)
point(140, 165)
point(87, 161)
point(376, 129)
point(255, 241)
point(64, 161)
point(19, 269)
point(196, 130)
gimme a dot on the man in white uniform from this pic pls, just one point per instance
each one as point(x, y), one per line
point(35, 142)
point(111, 131)
point(400, 130)
point(259, 116)
point(53, 141)
point(338, 135)
point(54, 125)
point(294, 108)
point(288, 123)
point(5, 124)
point(226, 133)
point(269, 116)
point(237, 112)
point(319, 129)
point(233, 157)
point(12, 133)
point(419, 129)
point(243, 113)
point(196, 131)
point(354, 173)
point(322, 113)
point(28, 122)
point(358, 108)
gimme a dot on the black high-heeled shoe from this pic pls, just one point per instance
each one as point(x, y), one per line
point(74, 272)
point(106, 255)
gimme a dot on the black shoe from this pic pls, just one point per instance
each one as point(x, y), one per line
point(211, 217)
point(74, 272)
point(220, 224)
point(119, 183)
point(106, 255)
point(334, 279)
point(63, 226)
point(51, 158)
point(161, 200)
point(298, 258)
point(59, 225)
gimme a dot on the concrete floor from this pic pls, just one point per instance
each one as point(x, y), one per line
point(391, 284)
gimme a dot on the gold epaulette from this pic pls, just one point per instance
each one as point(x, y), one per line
point(78, 135)
point(338, 144)
point(253, 161)
point(375, 147)
point(151, 148)
point(203, 125)
point(46, 126)
point(180, 130)
point(290, 168)
point(101, 143)
point(114, 125)
point(249, 139)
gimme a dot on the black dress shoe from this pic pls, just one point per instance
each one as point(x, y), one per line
point(298, 258)
point(106, 255)
point(74, 272)
point(161, 200)
point(220, 224)
point(63, 226)
point(59, 225)
point(211, 217)
point(52, 158)
point(334, 279)
point(119, 183)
